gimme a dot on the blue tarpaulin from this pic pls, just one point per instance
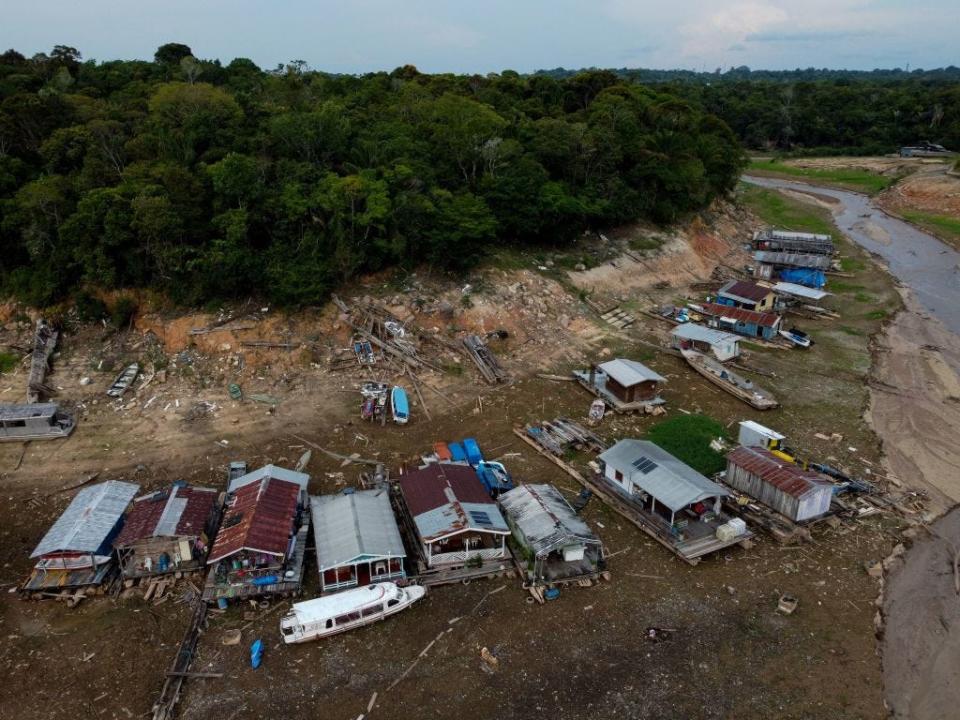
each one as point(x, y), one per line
point(804, 276)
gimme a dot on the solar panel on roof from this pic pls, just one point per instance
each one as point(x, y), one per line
point(480, 517)
point(644, 464)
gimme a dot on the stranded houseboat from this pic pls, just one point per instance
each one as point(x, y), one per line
point(346, 610)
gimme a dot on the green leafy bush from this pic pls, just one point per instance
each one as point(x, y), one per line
point(688, 438)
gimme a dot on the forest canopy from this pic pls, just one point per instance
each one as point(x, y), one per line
point(818, 111)
point(209, 181)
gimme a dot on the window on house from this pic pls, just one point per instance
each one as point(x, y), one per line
point(618, 476)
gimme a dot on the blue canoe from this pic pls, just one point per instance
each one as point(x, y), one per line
point(472, 449)
point(256, 653)
point(399, 405)
point(456, 452)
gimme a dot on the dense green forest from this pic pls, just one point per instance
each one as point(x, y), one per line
point(210, 181)
point(818, 112)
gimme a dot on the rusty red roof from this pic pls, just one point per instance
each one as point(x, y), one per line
point(425, 489)
point(259, 517)
point(446, 499)
point(740, 314)
point(181, 510)
point(744, 289)
point(783, 475)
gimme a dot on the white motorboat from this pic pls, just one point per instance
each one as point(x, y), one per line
point(332, 614)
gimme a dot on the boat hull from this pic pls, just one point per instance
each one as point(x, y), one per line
point(412, 594)
point(698, 361)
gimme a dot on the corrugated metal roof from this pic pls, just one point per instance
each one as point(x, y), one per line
point(22, 411)
point(89, 519)
point(744, 290)
point(348, 526)
point(629, 372)
point(751, 317)
point(692, 331)
point(672, 482)
point(445, 499)
point(805, 260)
point(801, 291)
point(270, 471)
point(785, 476)
point(259, 518)
point(174, 512)
point(545, 518)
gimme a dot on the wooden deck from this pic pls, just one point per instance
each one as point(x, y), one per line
point(690, 550)
point(213, 590)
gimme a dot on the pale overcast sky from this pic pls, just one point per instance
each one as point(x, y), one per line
point(355, 36)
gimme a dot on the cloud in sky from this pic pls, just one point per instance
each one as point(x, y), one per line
point(449, 35)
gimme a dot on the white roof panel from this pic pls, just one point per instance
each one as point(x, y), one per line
point(89, 520)
point(692, 331)
point(629, 372)
point(801, 291)
point(351, 525)
point(672, 482)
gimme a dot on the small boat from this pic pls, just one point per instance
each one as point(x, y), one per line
point(457, 453)
point(597, 409)
point(735, 384)
point(346, 610)
point(124, 380)
point(798, 338)
point(256, 653)
point(368, 408)
point(374, 389)
point(399, 407)
point(472, 450)
point(394, 328)
point(364, 352)
point(494, 477)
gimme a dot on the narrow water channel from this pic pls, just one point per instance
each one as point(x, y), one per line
point(920, 261)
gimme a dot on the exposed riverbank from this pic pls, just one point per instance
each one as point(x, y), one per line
point(915, 411)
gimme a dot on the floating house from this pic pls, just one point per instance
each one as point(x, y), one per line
point(787, 488)
point(790, 241)
point(743, 322)
point(624, 385)
point(357, 539)
point(555, 544)
point(77, 551)
point(747, 295)
point(456, 522)
point(167, 531)
point(721, 345)
point(260, 545)
point(34, 421)
point(793, 259)
point(668, 499)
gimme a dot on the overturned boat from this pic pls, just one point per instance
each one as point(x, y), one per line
point(735, 384)
point(34, 421)
point(346, 610)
